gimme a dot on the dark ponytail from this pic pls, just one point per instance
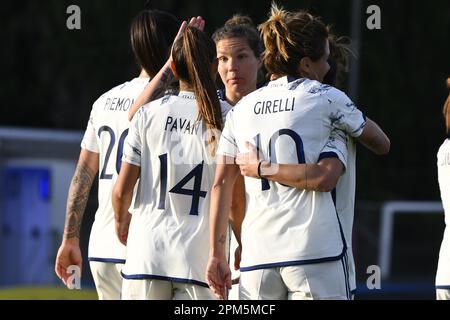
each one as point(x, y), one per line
point(152, 33)
point(193, 55)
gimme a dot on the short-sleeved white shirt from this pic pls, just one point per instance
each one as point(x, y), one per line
point(290, 121)
point(169, 232)
point(105, 134)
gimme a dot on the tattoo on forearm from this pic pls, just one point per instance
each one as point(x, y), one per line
point(77, 200)
point(166, 78)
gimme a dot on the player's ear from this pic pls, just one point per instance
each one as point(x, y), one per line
point(174, 71)
point(304, 67)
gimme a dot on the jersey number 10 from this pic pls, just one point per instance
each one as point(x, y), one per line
point(271, 150)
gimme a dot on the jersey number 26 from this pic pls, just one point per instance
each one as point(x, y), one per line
point(112, 142)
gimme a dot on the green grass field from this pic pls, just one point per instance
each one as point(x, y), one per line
point(46, 293)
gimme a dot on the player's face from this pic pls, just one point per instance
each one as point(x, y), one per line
point(238, 66)
point(320, 68)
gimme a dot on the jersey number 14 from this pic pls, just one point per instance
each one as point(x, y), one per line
point(195, 194)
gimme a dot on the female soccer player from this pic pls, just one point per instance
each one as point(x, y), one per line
point(171, 150)
point(443, 163)
point(344, 193)
point(152, 33)
point(239, 50)
point(293, 244)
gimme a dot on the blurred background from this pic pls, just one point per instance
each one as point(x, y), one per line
point(52, 75)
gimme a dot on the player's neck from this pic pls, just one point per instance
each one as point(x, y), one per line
point(144, 74)
point(184, 86)
point(233, 96)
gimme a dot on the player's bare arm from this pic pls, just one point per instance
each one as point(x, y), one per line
point(237, 211)
point(374, 139)
point(122, 197)
point(69, 253)
point(154, 90)
point(218, 274)
point(79, 193)
point(322, 176)
point(237, 214)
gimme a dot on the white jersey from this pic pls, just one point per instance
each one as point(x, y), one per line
point(344, 196)
point(443, 163)
point(105, 134)
point(169, 233)
point(290, 121)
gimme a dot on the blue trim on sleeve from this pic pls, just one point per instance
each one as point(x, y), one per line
point(106, 260)
point(327, 155)
point(361, 127)
point(163, 278)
